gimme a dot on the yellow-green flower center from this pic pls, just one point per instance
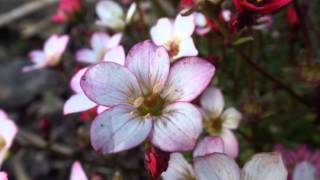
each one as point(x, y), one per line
point(214, 125)
point(152, 105)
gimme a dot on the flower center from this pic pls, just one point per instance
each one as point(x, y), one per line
point(214, 126)
point(173, 49)
point(2, 142)
point(152, 105)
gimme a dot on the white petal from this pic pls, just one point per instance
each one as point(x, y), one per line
point(99, 41)
point(100, 109)
point(114, 41)
point(77, 172)
point(162, 32)
point(178, 168)
point(183, 26)
point(111, 14)
point(150, 64)
point(209, 145)
point(118, 129)
point(264, 166)
point(75, 81)
point(77, 103)
point(87, 56)
point(231, 118)
point(216, 167)
point(231, 145)
point(54, 47)
point(110, 84)
point(212, 102)
point(37, 57)
point(187, 79)
point(304, 171)
point(178, 128)
point(186, 48)
point(116, 55)
point(130, 12)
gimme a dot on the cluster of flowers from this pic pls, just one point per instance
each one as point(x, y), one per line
point(148, 94)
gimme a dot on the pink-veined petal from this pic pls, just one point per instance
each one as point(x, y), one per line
point(178, 128)
point(216, 166)
point(178, 168)
point(99, 41)
point(77, 103)
point(77, 172)
point(183, 26)
point(116, 55)
point(209, 145)
point(150, 64)
point(100, 109)
point(118, 129)
point(212, 102)
point(87, 56)
point(186, 48)
point(304, 171)
point(264, 166)
point(109, 84)
point(162, 32)
point(231, 118)
point(114, 41)
point(3, 175)
point(231, 144)
point(187, 79)
point(75, 80)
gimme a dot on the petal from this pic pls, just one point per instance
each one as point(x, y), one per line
point(114, 41)
point(77, 172)
point(99, 41)
point(209, 145)
point(33, 67)
point(37, 57)
point(116, 55)
point(110, 84)
point(3, 175)
point(118, 129)
point(75, 81)
point(231, 118)
point(113, 23)
point(100, 109)
point(162, 32)
point(150, 64)
point(56, 45)
point(178, 128)
point(186, 48)
point(183, 26)
point(109, 10)
point(212, 102)
point(87, 56)
point(264, 166)
point(77, 103)
point(132, 9)
point(216, 167)
point(231, 145)
point(187, 79)
point(304, 170)
point(178, 168)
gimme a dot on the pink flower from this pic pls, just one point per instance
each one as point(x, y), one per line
point(221, 122)
point(301, 162)
point(8, 131)
point(79, 101)
point(104, 48)
point(51, 53)
point(77, 172)
point(210, 162)
point(67, 10)
point(147, 100)
point(175, 36)
point(3, 176)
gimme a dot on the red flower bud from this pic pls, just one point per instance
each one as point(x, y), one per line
point(186, 3)
point(67, 10)
point(156, 161)
point(260, 6)
point(292, 18)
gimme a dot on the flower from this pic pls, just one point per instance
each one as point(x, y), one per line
point(111, 15)
point(301, 162)
point(79, 101)
point(211, 163)
point(104, 48)
point(67, 10)
point(175, 36)
point(147, 100)
point(77, 172)
point(156, 161)
point(260, 6)
point(3, 175)
point(219, 122)
point(50, 55)
point(8, 131)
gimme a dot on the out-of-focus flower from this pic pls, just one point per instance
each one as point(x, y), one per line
point(77, 172)
point(8, 131)
point(147, 100)
point(260, 6)
point(210, 162)
point(302, 163)
point(156, 161)
point(67, 11)
point(221, 122)
point(263, 23)
point(3, 176)
point(50, 55)
point(292, 18)
point(104, 48)
point(111, 15)
point(175, 36)
point(186, 4)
